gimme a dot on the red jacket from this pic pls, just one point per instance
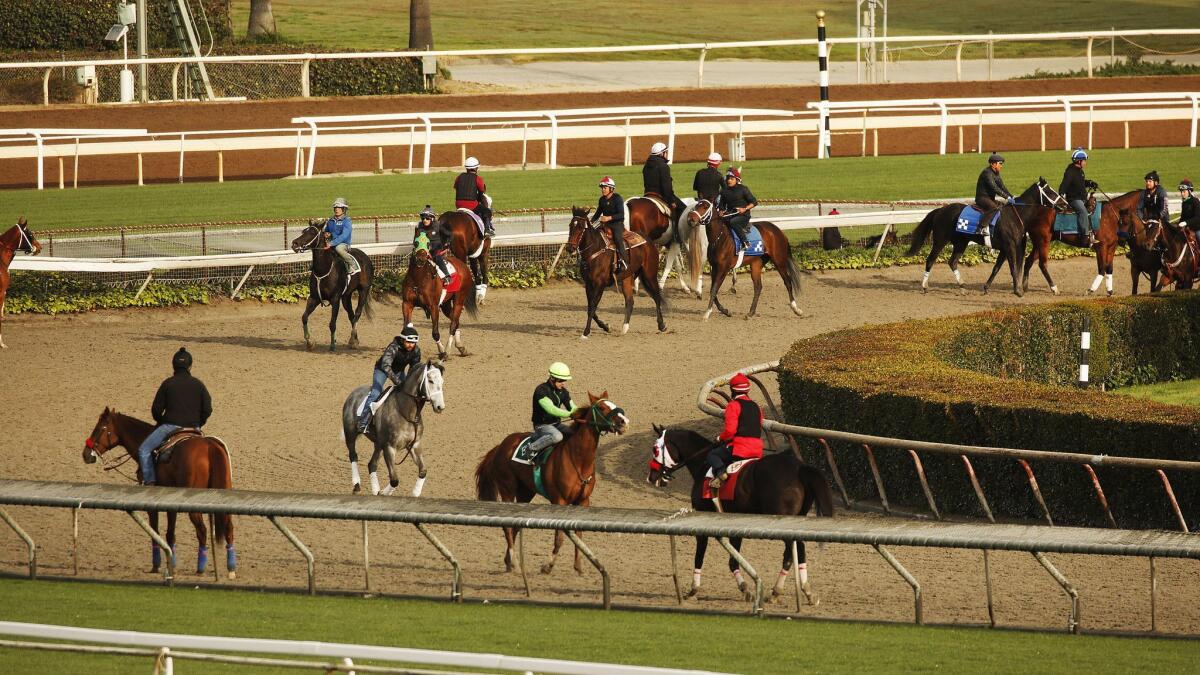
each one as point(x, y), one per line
point(463, 193)
point(743, 425)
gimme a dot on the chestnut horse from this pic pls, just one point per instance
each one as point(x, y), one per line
point(468, 244)
point(16, 238)
point(1042, 233)
point(1143, 258)
point(596, 268)
point(423, 288)
point(644, 217)
point(723, 258)
point(327, 283)
point(568, 475)
point(196, 462)
point(777, 485)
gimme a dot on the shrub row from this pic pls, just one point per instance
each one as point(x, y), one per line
point(82, 24)
point(990, 379)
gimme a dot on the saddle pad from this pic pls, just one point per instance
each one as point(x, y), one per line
point(658, 201)
point(729, 487)
point(376, 405)
point(475, 217)
point(451, 283)
point(632, 239)
point(522, 455)
point(755, 246)
point(968, 220)
point(162, 454)
point(1065, 222)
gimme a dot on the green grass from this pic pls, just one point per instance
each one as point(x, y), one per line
point(888, 177)
point(726, 643)
point(370, 24)
point(1185, 392)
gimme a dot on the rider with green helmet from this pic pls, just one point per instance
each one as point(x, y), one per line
point(432, 237)
point(552, 409)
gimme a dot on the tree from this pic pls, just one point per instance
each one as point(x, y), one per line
point(420, 29)
point(262, 19)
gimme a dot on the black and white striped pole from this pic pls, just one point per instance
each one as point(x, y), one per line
point(823, 67)
point(1085, 345)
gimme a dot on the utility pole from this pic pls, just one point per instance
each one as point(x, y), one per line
point(143, 50)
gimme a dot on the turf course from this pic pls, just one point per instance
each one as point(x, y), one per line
point(1185, 392)
point(885, 178)
point(672, 640)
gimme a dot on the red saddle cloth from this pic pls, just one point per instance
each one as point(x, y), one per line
point(729, 487)
point(452, 283)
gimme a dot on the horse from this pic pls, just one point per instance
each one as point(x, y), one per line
point(722, 258)
point(423, 288)
point(396, 424)
point(1042, 233)
point(596, 267)
point(328, 283)
point(16, 238)
point(644, 216)
point(778, 485)
point(468, 244)
point(1180, 265)
point(1143, 258)
point(195, 462)
point(568, 476)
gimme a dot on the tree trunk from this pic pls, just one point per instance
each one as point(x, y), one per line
point(262, 19)
point(420, 29)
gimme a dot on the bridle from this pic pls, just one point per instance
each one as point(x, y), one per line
point(668, 465)
point(603, 422)
point(96, 439)
point(421, 396)
point(708, 213)
point(24, 241)
point(317, 235)
point(581, 221)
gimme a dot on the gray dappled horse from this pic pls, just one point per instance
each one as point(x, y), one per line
point(396, 424)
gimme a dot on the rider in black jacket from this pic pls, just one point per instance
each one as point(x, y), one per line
point(1189, 214)
point(400, 356)
point(735, 202)
point(990, 188)
point(438, 237)
point(707, 182)
point(182, 401)
point(1153, 205)
point(1074, 188)
point(610, 211)
point(656, 178)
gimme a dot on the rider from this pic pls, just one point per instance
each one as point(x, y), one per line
point(656, 178)
point(742, 435)
point(468, 194)
point(610, 211)
point(1074, 188)
point(735, 202)
point(400, 356)
point(552, 409)
point(1189, 214)
point(1153, 205)
point(337, 232)
point(707, 182)
point(990, 188)
point(436, 238)
point(182, 401)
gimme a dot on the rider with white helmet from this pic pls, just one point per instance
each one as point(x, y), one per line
point(552, 409)
point(656, 178)
point(1074, 189)
point(707, 182)
point(469, 192)
point(610, 211)
point(338, 235)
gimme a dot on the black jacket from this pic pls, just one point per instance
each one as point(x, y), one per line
point(396, 361)
point(182, 400)
point(612, 206)
point(735, 197)
point(991, 186)
point(439, 236)
point(708, 183)
point(1190, 213)
point(1154, 205)
point(1074, 184)
point(560, 397)
point(656, 177)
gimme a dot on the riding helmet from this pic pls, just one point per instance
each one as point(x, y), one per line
point(658, 148)
point(182, 360)
point(340, 202)
point(607, 181)
point(471, 164)
point(714, 159)
point(428, 213)
point(734, 172)
point(995, 157)
point(409, 334)
point(1079, 155)
point(1153, 175)
point(1186, 184)
point(560, 371)
point(739, 383)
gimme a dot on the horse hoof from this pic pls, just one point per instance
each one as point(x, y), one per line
point(232, 576)
point(624, 329)
point(578, 570)
point(747, 595)
point(691, 594)
point(154, 569)
point(547, 568)
point(727, 313)
point(357, 489)
point(308, 346)
point(1110, 294)
point(583, 337)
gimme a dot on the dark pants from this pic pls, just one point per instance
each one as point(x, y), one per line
point(439, 259)
point(1081, 216)
point(741, 222)
point(986, 204)
point(617, 230)
point(677, 209)
point(720, 457)
point(485, 214)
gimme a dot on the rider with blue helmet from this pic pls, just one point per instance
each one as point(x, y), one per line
point(1074, 188)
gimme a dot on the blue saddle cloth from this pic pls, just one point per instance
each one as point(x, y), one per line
point(1065, 222)
point(968, 220)
point(754, 246)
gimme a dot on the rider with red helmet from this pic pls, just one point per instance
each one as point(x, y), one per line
point(742, 434)
point(735, 202)
point(610, 211)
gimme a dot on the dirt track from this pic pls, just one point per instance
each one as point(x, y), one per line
point(277, 406)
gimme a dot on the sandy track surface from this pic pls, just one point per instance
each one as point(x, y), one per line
point(278, 408)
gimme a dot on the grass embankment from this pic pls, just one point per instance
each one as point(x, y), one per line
point(884, 178)
point(724, 643)
point(1185, 392)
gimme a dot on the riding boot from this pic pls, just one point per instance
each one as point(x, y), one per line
point(716, 482)
point(364, 420)
point(441, 265)
point(488, 230)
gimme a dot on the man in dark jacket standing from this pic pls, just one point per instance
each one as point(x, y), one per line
point(182, 402)
point(1074, 188)
point(610, 212)
point(707, 182)
point(656, 178)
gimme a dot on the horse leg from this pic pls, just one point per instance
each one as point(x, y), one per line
point(1043, 259)
point(627, 290)
point(558, 540)
point(421, 471)
point(697, 566)
point(334, 308)
point(2, 301)
point(171, 531)
point(373, 468)
point(435, 313)
point(510, 535)
point(312, 304)
point(996, 269)
point(202, 537)
point(389, 458)
point(955, 254)
point(155, 552)
point(351, 443)
point(718, 277)
point(349, 307)
point(756, 280)
point(935, 249)
point(656, 293)
point(736, 570)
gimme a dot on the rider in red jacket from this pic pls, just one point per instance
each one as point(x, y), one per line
point(742, 433)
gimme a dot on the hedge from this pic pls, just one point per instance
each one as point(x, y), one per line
point(82, 24)
point(1002, 378)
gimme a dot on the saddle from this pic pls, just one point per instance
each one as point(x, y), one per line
point(729, 487)
point(162, 454)
point(658, 201)
point(475, 217)
point(632, 241)
point(522, 455)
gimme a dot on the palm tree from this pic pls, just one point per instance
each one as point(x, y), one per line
point(420, 30)
point(262, 19)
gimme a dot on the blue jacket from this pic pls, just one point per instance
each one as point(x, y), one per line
point(339, 230)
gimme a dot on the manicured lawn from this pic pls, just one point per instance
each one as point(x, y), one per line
point(724, 643)
point(1186, 392)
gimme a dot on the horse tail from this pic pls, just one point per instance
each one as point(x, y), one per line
point(697, 251)
point(923, 230)
point(220, 477)
point(815, 484)
point(472, 302)
point(486, 489)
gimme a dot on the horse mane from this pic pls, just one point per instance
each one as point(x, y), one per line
point(130, 419)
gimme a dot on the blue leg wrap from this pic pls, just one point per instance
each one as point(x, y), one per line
point(155, 555)
point(202, 560)
point(230, 558)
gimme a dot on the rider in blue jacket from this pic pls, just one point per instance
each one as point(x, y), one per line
point(337, 232)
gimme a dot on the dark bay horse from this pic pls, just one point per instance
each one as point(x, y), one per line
point(16, 238)
point(328, 283)
point(423, 288)
point(1180, 265)
point(196, 462)
point(723, 258)
point(1143, 258)
point(467, 243)
point(777, 485)
point(568, 475)
point(1042, 233)
point(596, 267)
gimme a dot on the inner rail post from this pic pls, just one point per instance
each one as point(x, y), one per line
point(675, 572)
point(878, 478)
point(1153, 597)
point(1037, 493)
point(1112, 522)
point(987, 510)
point(605, 580)
point(837, 475)
point(28, 543)
point(774, 412)
point(756, 608)
point(1171, 497)
point(169, 572)
point(908, 577)
point(456, 584)
point(1073, 617)
point(924, 483)
point(308, 556)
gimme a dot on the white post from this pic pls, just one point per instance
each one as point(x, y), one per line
point(312, 150)
point(958, 62)
point(299, 154)
point(428, 141)
point(628, 145)
point(553, 158)
point(700, 72)
point(182, 140)
point(670, 134)
point(942, 131)
point(1089, 55)
point(823, 83)
point(412, 138)
point(41, 170)
point(1194, 110)
point(305, 78)
point(1066, 124)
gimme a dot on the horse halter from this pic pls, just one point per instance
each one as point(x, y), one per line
point(24, 241)
point(708, 213)
point(313, 241)
point(668, 465)
point(98, 444)
point(602, 422)
point(1058, 203)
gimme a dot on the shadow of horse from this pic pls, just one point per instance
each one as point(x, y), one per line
point(253, 341)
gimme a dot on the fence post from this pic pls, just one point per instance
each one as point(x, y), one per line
point(122, 242)
point(1089, 55)
point(958, 63)
point(823, 82)
point(700, 72)
point(46, 86)
point(376, 230)
point(306, 78)
point(1085, 345)
point(203, 240)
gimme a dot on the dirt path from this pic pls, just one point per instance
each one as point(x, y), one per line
point(277, 407)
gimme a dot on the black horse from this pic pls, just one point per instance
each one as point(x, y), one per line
point(328, 283)
point(778, 485)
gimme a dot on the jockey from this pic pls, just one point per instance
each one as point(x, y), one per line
point(656, 178)
point(742, 435)
point(735, 202)
point(1153, 205)
point(1074, 188)
point(990, 188)
point(437, 239)
point(400, 356)
point(707, 182)
point(1189, 214)
point(182, 401)
point(610, 211)
point(337, 234)
point(552, 409)
point(468, 194)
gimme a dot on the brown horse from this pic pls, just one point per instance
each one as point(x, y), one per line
point(423, 288)
point(16, 238)
point(596, 260)
point(467, 243)
point(568, 475)
point(195, 462)
point(1180, 264)
point(1143, 258)
point(647, 219)
point(723, 259)
point(1042, 233)
point(328, 284)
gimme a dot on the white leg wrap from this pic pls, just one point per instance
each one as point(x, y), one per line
point(624, 328)
point(802, 570)
point(1108, 282)
point(374, 483)
point(696, 578)
point(1054, 290)
point(707, 314)
point(925, 281)
point(387, 490)
point(737, 576)
point(1096, 282)
point(354, 479)
point(418, 486)
point(958, 277)
point(783, 575)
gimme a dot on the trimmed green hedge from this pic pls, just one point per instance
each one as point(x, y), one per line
point(82, 24)
point(1002, 379)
